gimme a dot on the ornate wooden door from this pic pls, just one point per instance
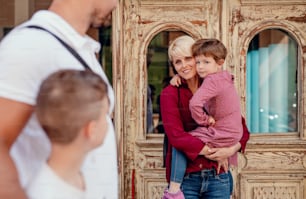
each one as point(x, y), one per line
point(274, 163)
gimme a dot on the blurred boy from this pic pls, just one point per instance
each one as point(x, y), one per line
point(72, 108)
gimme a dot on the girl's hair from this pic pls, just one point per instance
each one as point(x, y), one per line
point(209, 47)
point(68, 100)
point(181, 46)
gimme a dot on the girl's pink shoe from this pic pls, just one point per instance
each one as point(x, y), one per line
point(177, 195)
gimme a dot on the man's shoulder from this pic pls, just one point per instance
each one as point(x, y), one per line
point(29, 38)
point(30, 46)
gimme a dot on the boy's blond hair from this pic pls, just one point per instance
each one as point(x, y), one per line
point(68, 100)
point(209, 47)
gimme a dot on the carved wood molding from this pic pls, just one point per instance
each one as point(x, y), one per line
point(292, 161)
point(151, 183)
point(182, 3)
point(283, 186)
point(272, 2)
point(149, 154)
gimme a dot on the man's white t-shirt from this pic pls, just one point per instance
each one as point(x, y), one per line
point(27, 57)
point(48, 185)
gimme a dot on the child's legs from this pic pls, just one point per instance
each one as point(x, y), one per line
point(178, 166)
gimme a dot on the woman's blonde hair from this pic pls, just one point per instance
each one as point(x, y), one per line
point(180, 47)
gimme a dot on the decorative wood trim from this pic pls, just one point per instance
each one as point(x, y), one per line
point(272, 2)
point(285, 160)
point(272, 186)
point(152, 184)
point(188, 3)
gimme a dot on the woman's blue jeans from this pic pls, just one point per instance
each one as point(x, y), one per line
point(205, 184)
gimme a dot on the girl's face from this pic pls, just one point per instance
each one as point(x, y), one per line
point(185, 66)
point(207, 65)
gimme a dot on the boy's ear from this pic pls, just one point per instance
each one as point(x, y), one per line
point(88, 129)
point(220, 62)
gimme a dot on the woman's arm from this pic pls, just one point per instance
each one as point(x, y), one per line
point(174, 121)
point(245, 136)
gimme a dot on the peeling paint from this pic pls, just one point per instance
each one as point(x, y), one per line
point(242, 52)
point(237, 16)
point(145, 22)
point(297, 19)
point(199, 22)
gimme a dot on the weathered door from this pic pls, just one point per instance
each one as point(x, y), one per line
point(274, 163)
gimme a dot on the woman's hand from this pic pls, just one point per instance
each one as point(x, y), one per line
point(205, 150)
point(176, 80)
point(219, 154)
point(224, 164)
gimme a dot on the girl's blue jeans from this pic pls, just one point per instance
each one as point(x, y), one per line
point(178, 166)
point(205, 184)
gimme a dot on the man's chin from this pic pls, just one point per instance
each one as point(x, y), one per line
point(103, 24)
point(107, 24)
point(95, 25)
point(107, 21)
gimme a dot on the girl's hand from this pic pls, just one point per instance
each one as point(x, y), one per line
point(176, 80)
point(211, 121)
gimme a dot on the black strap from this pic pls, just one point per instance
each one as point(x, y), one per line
point(69, 48)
